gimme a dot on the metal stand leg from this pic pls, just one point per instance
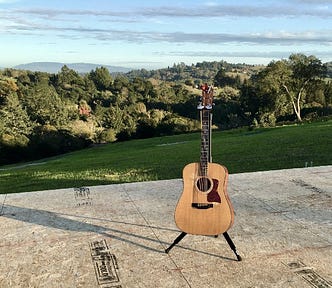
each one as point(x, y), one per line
point(231, 244)
point(176, 241)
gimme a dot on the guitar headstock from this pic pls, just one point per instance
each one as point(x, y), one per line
point(207, 97)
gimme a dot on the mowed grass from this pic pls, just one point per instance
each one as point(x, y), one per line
point(164, 158)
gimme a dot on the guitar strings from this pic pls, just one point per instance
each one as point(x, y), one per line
point(203, 184)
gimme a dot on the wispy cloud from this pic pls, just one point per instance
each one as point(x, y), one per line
point(78, 12)
point(312, 1)
point(214, 10)
point(282, 38)
point(322, 37)
point(236, 11)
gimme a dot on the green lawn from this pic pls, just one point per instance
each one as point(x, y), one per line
point(164, 157)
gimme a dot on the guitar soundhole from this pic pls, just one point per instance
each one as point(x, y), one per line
point(203, 184)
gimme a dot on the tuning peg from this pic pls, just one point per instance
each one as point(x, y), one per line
point(200, 106)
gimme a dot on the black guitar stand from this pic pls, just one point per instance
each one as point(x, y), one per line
point(228, 239)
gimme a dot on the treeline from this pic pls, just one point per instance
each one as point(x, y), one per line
point(46, 114)
point(195, 74)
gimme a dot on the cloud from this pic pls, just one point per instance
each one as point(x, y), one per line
point(212, 10)
point(281, 38)
point(236, 11)
point(321, 37)
point(257, 38)
point(313, 1)
point(73, 24)
point(78, 12)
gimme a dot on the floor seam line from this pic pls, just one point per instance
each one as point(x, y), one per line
point(156, 236)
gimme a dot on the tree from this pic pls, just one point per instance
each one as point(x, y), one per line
point(328, 94)
point(102, 78)
point(15, 125)
point(299, 73)
point(7, 86)
point(286, 85)
point(15, 121)
point(45, 106)
point(69, 84)
point(222, 79)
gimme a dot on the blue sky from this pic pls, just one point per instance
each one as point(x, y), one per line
point(158, 33)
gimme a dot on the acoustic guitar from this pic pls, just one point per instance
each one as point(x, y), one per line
point(204, 207)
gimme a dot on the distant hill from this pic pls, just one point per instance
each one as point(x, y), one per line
point(198, 73)
point(204, 71)
point(55, 67)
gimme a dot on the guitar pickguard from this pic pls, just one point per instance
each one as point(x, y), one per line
point(213, 195)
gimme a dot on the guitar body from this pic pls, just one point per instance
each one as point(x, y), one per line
point(204, 207)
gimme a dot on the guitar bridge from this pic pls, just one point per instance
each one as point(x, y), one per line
point(202, 205)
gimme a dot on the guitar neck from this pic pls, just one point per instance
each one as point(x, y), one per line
point(206, 118)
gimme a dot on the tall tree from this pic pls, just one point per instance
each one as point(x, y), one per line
point(300, 73)
point(45, 106)
point(15, 125)
point(294, 78)
point(102, 78)
point(15, 121)
point(69, 84)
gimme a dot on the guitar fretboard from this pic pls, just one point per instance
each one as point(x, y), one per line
point(205, 141)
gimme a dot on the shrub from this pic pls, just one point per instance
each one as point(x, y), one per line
point(267, 120)
point(48, 141)
point(13, 148)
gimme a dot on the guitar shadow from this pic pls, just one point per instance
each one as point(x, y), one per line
point(62, 222)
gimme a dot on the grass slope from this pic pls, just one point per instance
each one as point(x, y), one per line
point(164, 158)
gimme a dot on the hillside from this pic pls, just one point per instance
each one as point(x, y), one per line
point(164, 157)
point(197, 73)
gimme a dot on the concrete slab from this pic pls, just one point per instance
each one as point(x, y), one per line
point(115, 235)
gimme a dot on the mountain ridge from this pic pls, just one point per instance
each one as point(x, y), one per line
point(55, 67)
